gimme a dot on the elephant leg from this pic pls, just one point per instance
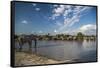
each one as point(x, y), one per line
point(35, 46)
point(20, 45)
point(30, 45)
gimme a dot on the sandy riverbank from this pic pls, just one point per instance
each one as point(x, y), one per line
point(23, 58)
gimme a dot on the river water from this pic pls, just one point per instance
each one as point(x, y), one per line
point(80, 51)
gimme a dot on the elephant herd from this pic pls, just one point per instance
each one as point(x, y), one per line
point(26, 39)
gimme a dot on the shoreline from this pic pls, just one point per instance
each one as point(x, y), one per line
point(23, 58)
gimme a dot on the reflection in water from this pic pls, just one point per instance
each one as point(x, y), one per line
point(66, 50)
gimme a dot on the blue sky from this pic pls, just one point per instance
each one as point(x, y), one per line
point(54, 19)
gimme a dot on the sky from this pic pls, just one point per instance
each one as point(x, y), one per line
point(43, 18)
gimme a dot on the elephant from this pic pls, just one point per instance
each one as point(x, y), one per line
point(22, 39)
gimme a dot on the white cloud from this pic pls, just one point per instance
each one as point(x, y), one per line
point(55, 5)
point(55, 30)
point(37, 9)
point(71, 21)
point(59, 10)
point(66, 9)
point(40, 31)
point(66, 12)
point(79, 9)
point(24, 22)
point(70, 15)
point(34, 4)
point(58, 23)
point(68, 22)
point(87, 27)
point(54, 16)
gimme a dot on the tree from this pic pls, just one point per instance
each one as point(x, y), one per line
point(80, 36)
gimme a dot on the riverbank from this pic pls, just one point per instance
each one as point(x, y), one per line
point(23, 58)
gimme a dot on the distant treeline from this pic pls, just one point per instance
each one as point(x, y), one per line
point(68, 37)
